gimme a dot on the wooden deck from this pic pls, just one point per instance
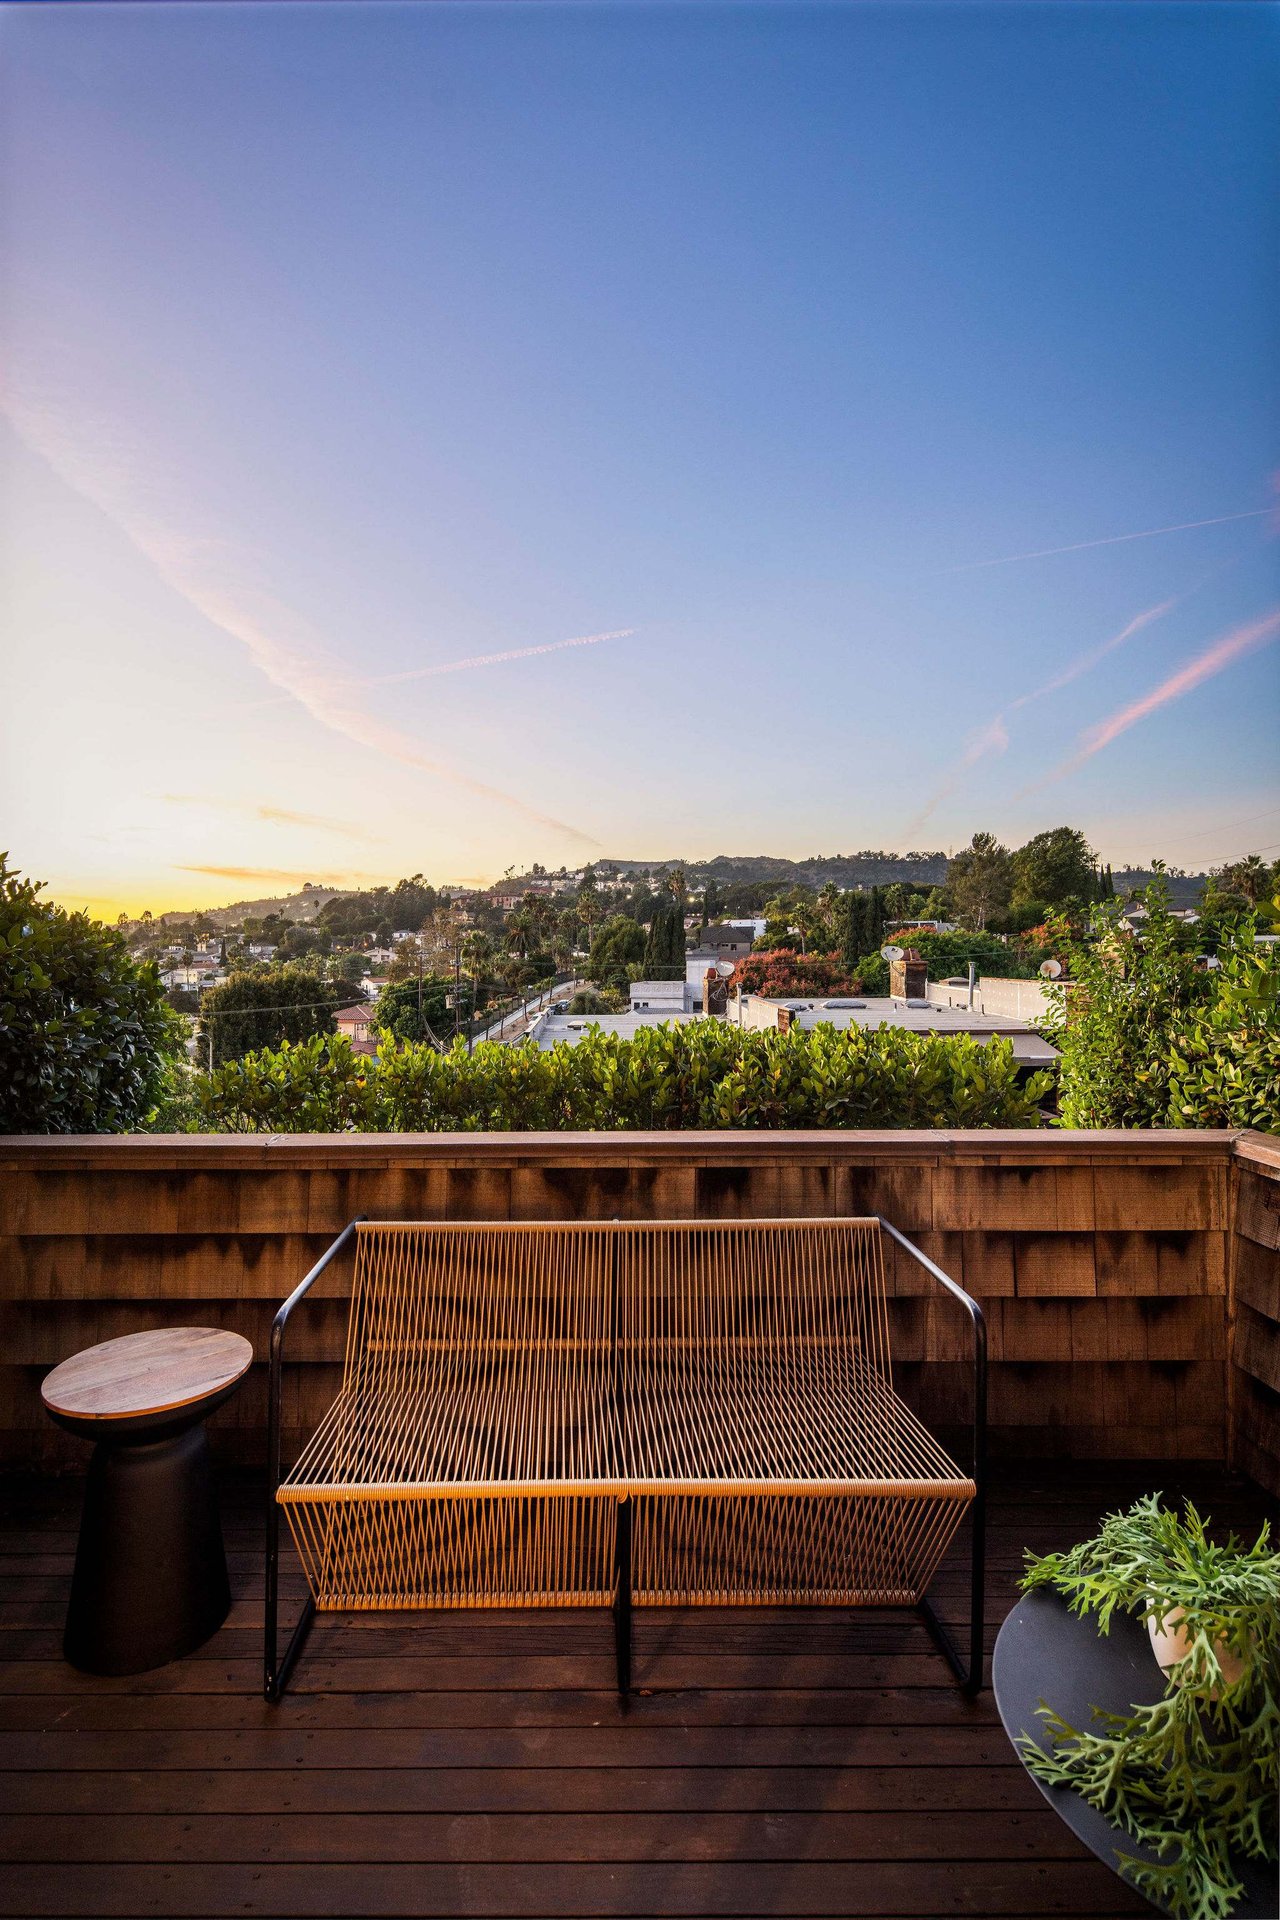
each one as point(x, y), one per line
point(774, 1764)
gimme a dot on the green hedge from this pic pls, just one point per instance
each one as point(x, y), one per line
point(667, 1077)
point(87, 1044)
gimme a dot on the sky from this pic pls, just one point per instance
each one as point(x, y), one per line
point(439, 438)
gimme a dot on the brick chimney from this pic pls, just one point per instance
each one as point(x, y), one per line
point(715, 992)
point(908, 977)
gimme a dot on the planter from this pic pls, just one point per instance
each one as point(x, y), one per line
point(1171, 1645)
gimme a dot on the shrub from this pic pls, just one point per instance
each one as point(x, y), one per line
point(86, 1040)
point(781, 972)
point(1224, 1064)
point(396, 1009)
point(950, 953)
point(871, 974)
point(703, 1074)
point(261, 1009)
point(1151, 1038)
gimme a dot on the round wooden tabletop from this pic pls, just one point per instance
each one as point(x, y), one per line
point(143, 1373)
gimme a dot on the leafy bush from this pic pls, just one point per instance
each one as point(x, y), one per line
point(1194, 1777)
point(396, 1009)
point(1151, 1038)
point(87, 1043)
point(872, 974)
point(616, 952)
point(1224, 1063)
point(265, 1007)
point(950, 953)
point(702, 1074)
point(782, 973)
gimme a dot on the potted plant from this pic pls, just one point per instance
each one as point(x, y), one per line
point(1195, 1776)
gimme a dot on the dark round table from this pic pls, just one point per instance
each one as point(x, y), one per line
point(1046, 1653)
point(150, 1581)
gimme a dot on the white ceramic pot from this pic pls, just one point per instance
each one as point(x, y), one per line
point(1171, 1645)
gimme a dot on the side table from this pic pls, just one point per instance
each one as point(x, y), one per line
point(150, 1580)
point(1046, 1652)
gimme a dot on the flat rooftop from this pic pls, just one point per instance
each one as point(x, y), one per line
point(881, 1011)
point(570, 1027)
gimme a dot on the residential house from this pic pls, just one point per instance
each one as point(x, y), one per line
point(356, 1025)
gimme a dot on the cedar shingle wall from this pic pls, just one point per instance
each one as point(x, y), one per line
point(1101, 1259)
point(1255, 1287)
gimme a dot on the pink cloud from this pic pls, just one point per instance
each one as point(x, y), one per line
point(1223, 653)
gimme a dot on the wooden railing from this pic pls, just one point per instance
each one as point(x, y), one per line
point(1115, 1268)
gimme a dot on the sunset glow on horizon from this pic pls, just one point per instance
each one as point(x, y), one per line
point(442, 439)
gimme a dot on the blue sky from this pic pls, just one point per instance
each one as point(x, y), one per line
point(354, 341)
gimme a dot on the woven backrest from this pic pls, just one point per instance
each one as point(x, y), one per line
point(435, 1303)
point(492, 1346)
point(791, 1293)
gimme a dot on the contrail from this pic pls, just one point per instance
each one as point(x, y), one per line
point(494, 659)
point(279, 643)
point(994, 736)
point(1084, 662)
point(1112, 540)
point(1223, 653)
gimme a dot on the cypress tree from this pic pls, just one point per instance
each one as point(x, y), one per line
point(853, 944)
point(675, 939)
point(876, 917)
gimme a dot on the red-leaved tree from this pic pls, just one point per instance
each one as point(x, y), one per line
point(783, 974)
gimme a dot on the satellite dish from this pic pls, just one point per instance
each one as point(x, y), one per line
point(1051, 969)
point(891, 953)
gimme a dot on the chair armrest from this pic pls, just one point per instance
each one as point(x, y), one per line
point(276, 1671)
point(970, 1674)
point(977, 1320)
point(978, 1323)
point(278, 1326)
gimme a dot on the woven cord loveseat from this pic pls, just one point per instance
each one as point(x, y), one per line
point(621, 1414)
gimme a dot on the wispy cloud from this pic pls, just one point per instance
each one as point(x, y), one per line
point(286, 817)
point(1085, 662)
point(1221, 654)
point(993, 737)
point(211, 577)
point(283, 816)
point(1111, 540)
point(279, 876)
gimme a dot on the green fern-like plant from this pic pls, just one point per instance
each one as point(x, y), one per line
point(1195, 1776)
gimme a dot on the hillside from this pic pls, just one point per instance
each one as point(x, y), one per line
point(868, 869)
point(302, 906)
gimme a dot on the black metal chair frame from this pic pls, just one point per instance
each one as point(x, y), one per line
point(969, 1673)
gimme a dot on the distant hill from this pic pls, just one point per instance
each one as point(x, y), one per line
point(868, 869)
point(302, 906)
point(1184, 888)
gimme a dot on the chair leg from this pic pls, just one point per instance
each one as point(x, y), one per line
point(968, 1674)
point(278, 1680)
point(622, 1600)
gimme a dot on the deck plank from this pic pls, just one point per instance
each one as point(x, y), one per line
point(775, 1762)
